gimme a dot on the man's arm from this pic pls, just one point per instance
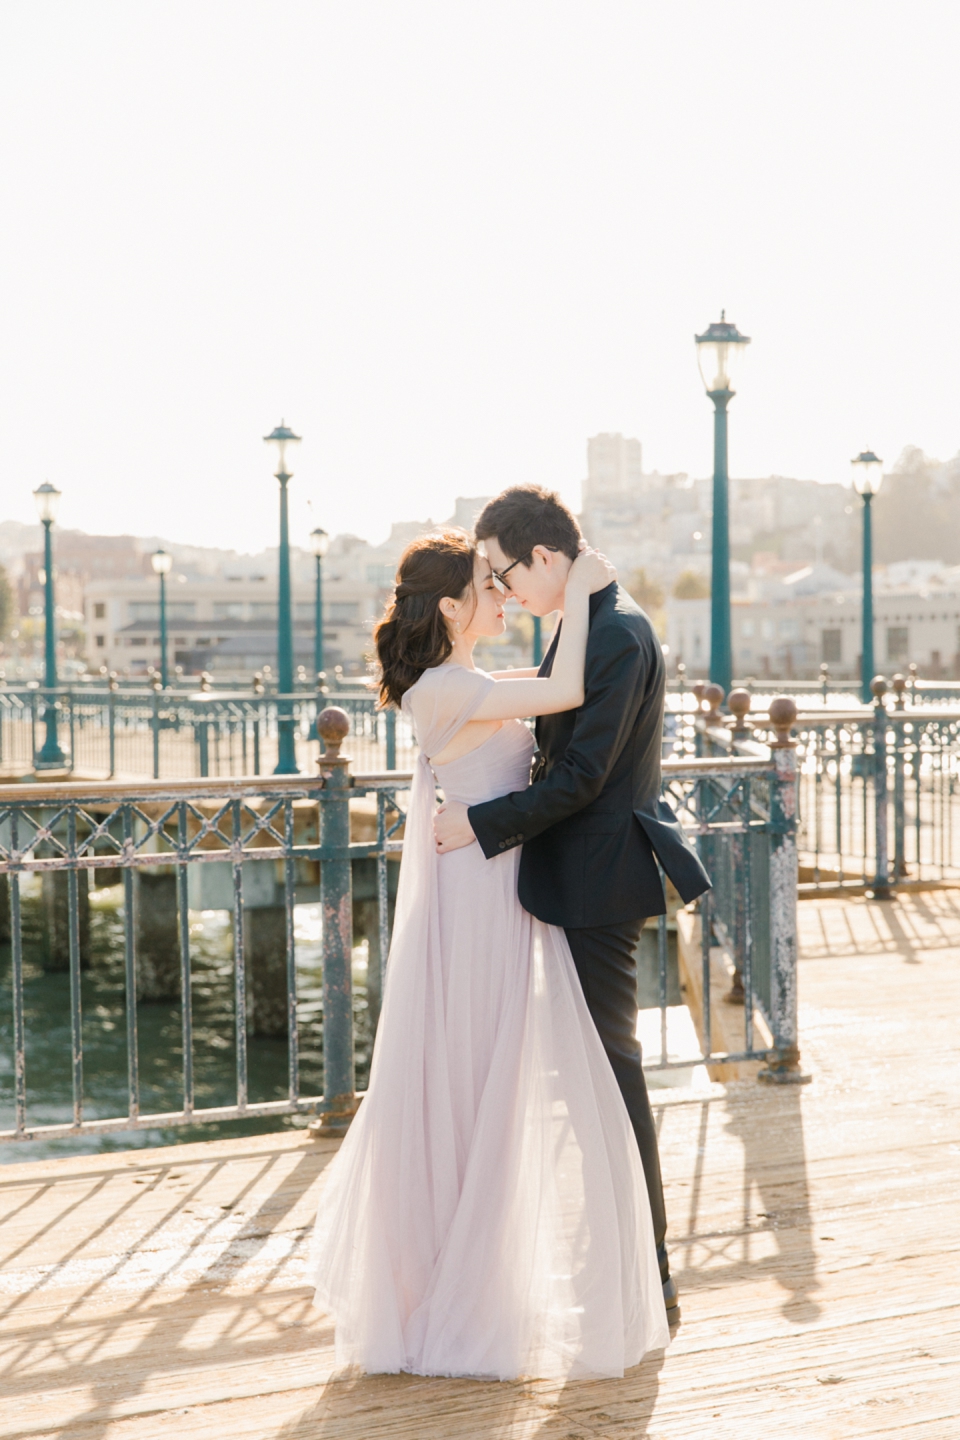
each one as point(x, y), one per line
point(615, 684)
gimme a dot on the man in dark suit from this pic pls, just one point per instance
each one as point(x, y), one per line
point(592, 823)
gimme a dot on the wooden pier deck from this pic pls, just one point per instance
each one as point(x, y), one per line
point(815, 1232)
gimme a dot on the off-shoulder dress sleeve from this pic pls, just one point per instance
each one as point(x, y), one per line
point(443, 700)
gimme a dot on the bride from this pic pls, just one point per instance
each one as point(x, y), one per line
point(486, 1214)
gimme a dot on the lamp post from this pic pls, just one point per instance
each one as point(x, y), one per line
point(537, 641)
point(162, 562)
point(319, 544)
point(867, 479)
point(719, 351)
point(282, 436)
point(51, 757)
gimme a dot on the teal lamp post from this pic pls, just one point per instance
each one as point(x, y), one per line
point(50, 757)
point(719, 351)
point(319, 544)
point(867, 479)
point(283, 437)
point(537, 641)
point(162, 562)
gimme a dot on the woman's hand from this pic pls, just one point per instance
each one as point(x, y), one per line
point(590, 572)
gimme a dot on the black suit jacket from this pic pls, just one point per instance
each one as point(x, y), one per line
point(593, 820)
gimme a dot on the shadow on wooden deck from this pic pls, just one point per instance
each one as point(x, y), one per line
point(814, 1232)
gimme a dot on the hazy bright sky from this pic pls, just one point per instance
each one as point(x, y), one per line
point(447, 241)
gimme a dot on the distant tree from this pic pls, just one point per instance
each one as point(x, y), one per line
point(647, 591)
point(917, 512)
point(691, 585)
point(6, 604)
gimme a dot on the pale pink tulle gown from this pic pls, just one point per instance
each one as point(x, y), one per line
point(486, 1214)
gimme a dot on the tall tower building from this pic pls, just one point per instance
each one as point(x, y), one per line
point(614, 467)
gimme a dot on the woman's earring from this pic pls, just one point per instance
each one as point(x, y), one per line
point(457, 627)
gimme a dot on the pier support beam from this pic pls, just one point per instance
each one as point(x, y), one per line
point(56, 920)
point(265, 948)
point(158, 938)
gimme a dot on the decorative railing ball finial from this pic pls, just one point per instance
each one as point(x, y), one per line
point(783, 714)
point(879, 688)
point(333, 727)
point(738, 702)
point(713, 695)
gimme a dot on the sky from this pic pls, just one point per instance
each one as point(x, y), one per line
point(447, 242)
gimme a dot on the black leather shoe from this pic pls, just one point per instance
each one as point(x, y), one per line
point(671, 1299)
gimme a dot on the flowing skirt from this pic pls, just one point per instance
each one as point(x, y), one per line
point(487, 1214)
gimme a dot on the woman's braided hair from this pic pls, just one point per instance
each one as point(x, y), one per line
point(413, 635)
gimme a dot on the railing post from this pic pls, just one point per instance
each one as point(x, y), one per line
point(391, 722)
point(113, 686)
point(682, 692)
point(203, 746)
point(739, 703)
point(258, 690)
point(881, 880)
point(899, 783)
point(783, 1061)
point(336, 908)
point(698, 689)
point(155, 726)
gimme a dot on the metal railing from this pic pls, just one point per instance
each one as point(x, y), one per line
point(878, 788)
point(239, 845)
point(109, 731)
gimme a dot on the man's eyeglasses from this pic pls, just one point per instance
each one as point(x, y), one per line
point(500, 576)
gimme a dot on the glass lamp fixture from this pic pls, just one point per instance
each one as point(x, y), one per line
point(162, 562)
point(720, 351)
point(282, 436)
point(867, 472)
point(47, 497)
point(319, 542)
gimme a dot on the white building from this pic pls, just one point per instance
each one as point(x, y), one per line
point(790, 638)
point(225, 626)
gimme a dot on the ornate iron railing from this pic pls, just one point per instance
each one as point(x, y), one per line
point(114, 731)
point(878, 788)
point(182, 848)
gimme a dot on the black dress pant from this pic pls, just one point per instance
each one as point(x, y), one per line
point(604, 957)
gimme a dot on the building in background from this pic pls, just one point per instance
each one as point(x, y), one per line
point(222, 608)
point(786, 631)
point(795, 551)
point(662, 523)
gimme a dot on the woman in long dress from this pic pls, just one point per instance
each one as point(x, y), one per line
point(486, 1214)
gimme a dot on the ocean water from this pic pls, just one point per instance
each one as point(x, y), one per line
point(47, 1027)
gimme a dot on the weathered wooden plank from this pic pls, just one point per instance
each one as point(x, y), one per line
point(814, 1231)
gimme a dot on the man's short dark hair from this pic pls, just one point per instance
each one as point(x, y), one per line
point(525, 516)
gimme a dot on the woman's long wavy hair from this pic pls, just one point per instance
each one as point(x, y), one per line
point(413, 635)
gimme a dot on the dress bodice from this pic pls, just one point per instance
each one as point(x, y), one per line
point(495, 767)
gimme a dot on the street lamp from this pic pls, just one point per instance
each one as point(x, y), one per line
point(51, 757)
point(720, 350)
point(162, 562)
point(867, 479)
point(283, 437)
point(319, 544)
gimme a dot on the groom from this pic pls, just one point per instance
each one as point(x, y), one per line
point(592, 824)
